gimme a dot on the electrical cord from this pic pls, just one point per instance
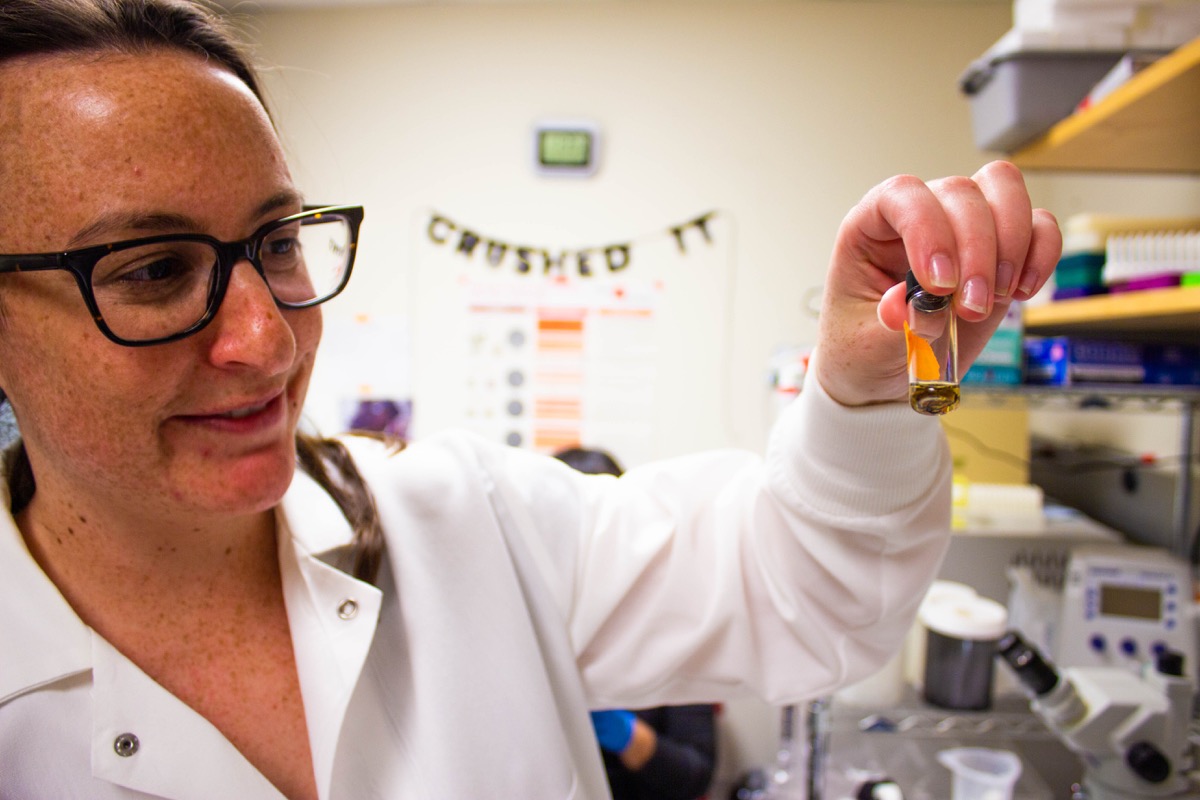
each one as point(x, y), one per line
point(1046, 451)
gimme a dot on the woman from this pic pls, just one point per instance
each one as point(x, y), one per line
point(189, 616)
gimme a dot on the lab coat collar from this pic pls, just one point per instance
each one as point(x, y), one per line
point(44, 640)
point(332, 615)
point(127, 702)
point(332, 618)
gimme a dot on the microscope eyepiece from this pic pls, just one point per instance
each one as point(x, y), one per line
point(1035, 672)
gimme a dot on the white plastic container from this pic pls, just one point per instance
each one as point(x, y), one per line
point(981, 773)
point(1164, 24)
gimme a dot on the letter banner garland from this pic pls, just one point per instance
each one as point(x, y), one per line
point(523, 259)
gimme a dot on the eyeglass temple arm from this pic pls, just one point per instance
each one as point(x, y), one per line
point(30, 263)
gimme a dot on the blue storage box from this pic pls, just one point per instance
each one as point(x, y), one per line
point(1173, 364)
point(1064, 361)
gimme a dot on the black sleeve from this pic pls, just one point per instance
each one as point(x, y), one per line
point(683, 763)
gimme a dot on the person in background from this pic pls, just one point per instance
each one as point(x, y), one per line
point(662, 753)
point(200, 600)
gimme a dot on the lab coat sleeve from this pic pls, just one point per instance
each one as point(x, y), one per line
point(699, 578)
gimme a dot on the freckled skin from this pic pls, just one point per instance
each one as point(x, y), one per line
point(99, 417)
point(158, 529)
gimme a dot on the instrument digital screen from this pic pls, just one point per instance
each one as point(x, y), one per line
point(1130, 601)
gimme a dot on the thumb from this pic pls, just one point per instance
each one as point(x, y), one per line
point(891, 311)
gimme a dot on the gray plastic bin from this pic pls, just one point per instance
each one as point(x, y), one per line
point(1018, 96)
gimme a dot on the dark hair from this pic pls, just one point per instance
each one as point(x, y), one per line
point(47, 27)
point(39, 27)
point(591, 460)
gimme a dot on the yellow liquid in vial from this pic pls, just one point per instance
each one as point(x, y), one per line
point(933, 397)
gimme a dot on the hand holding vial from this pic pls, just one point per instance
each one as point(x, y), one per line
point(977, 241)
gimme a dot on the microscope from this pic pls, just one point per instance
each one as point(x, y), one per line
point(1131, 730)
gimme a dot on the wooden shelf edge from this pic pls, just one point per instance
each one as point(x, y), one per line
point(1055, 150)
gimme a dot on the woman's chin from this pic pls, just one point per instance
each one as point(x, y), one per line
point(247, 486)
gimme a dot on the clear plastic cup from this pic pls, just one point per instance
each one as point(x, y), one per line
point(981, 773)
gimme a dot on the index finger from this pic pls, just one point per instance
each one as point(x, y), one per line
point(903, 217)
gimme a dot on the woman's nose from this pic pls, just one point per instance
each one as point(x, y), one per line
point(250, 328)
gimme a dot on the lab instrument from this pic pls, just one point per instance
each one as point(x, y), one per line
point(1131, 730)
point(1122, 605)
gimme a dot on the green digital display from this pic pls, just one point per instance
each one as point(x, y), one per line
point(565, 148)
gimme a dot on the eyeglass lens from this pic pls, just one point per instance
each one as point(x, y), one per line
point(156, 290)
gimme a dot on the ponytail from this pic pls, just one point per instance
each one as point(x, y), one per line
point(329, 464)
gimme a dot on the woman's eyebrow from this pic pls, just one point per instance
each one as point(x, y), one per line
point(166, 222)
point(132, 221)
point(288, 198)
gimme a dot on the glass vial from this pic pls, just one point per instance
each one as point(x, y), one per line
point(931, 339)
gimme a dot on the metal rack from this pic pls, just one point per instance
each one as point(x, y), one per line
point(926, 729)
point(933, 723)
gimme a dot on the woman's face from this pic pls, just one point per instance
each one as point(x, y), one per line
point(100, 148)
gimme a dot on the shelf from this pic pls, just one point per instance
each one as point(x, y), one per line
point(1091, 395)
point(1149, 124)
point(1172, 311)
point(1010, 717)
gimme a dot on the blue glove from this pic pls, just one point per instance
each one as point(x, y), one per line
point(614, 729)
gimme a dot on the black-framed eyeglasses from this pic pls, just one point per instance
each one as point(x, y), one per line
point(162, 288)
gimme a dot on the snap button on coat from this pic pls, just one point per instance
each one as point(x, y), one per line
point(126, 745)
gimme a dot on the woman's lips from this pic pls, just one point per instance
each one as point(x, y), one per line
point(242, 413)
point(245, 418)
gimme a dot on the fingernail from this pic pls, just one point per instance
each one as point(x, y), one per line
point(1004, 276)
point(1028, 282)
point(942, 272)
point(975, 295)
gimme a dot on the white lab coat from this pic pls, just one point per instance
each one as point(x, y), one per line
point(516, 595)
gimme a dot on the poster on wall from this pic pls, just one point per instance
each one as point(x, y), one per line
point(559, 363)
point(620, 345)
point(362, 379)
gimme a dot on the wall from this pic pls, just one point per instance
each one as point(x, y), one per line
point(782, 114)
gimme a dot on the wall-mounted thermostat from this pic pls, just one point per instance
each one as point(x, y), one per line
point(566, 147)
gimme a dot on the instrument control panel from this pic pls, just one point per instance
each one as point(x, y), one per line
point(1123, 605)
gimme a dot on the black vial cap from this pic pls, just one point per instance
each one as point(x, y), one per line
point(927, 302)
point(911, 286)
